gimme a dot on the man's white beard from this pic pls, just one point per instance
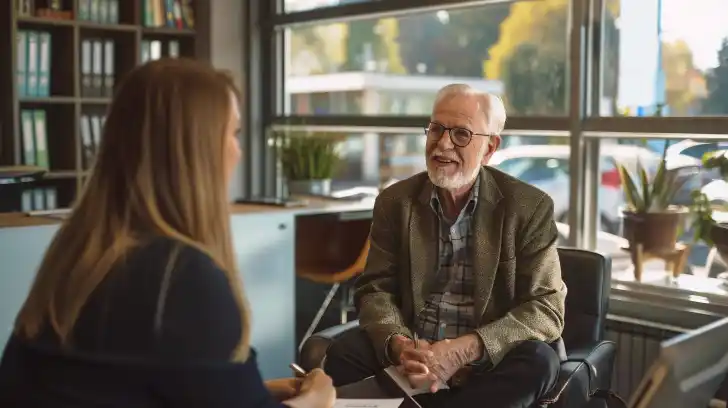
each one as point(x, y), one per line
point(439, 178)
point(460, 179)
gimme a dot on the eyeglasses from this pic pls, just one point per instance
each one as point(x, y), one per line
point(460, 137)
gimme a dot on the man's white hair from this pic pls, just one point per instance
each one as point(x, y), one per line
point(491, 105)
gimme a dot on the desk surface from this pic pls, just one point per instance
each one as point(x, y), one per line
point(314, 207)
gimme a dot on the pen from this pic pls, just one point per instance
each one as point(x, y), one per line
point(441, 332)
point(416, 339)
point(298, 372)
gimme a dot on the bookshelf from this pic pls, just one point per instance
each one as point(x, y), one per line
point(59, 63)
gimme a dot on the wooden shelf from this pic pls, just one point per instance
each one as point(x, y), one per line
point(68, 105)
point(89, 25)
point(51, 100)
point(168, 31)
point(28, 21)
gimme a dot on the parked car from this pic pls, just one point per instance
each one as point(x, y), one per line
point(685, 157)
point(547, 167)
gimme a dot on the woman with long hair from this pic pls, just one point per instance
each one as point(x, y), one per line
point(138, 301)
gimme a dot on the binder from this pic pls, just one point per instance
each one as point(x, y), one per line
point(84, 10)
point(148, 13)
point(109, 75)
point(188, 14)
point(41, 138)
point(169, 13)
point(26, 201)
point(97, 68)
point(94, 11)
point(28, 136)
point(32, 65)
point(51, 198)
point(96, 133)
point(44, 64)
point(113, 11)
point(159, 13)
point(89, 150)
point(173, 49)
point(21, 63)
point(103, 11)
point(155, 50)
point(86, 82)
point(145, 52)
point(24, 8)
point(178, 19)
point(38, 199)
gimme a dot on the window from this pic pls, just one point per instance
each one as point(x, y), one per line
point(290, 6)
point(674, 58)
point(395, 65)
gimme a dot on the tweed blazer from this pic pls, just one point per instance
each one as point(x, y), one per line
point(519, 293)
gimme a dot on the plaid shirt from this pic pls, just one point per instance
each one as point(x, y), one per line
point(448, 311)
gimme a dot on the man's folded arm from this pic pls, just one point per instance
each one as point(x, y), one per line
point(539, 287)
point(377, 288)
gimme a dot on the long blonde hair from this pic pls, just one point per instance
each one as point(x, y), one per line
point(160, 171)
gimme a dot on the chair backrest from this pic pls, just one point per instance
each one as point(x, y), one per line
point(588, 276)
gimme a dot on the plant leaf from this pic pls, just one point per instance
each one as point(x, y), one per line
point(631, 193)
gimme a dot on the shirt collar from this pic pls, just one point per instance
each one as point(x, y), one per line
point(469, 207)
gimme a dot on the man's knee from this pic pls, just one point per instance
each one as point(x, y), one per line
point(354, 342)
point(543, 360)
point(350, 358)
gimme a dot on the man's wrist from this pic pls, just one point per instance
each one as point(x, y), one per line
point(471, 348)
point(391, 347)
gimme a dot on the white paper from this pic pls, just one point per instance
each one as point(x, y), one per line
point(403, 383)
point(368, 403)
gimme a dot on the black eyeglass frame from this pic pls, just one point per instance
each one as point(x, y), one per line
point(450, 130)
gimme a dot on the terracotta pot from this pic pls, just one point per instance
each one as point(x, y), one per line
point(719, 235)
point(657, 232)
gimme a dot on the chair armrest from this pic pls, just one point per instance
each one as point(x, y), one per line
point(314, 348)
point(585, 371)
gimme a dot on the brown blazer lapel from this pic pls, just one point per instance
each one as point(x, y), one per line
point(423, 250)
point(487, 232)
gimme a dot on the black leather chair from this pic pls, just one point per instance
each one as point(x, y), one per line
point(588, 359)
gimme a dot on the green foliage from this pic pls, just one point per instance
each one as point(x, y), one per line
point(701, 207)
point(717, 83)
point(309, 157)
point(643, 194)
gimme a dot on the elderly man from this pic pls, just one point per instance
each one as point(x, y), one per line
point(462, 284)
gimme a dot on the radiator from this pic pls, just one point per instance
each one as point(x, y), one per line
point(637, 348)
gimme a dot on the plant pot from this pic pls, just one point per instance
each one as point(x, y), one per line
point(657, 232)
point(310, 187)
point(719, 235)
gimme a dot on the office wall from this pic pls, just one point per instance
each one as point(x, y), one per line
point(227, 27)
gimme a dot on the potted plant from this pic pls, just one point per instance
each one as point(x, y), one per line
point(705, 227)
point(649, 218)
point(308, 162)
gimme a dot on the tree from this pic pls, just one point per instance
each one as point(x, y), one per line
point(717, 80)
point(453, 44)
point(531, 56)
point(679, 69)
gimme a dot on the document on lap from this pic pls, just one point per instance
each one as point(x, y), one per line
point(403, 383)
point(368, 403)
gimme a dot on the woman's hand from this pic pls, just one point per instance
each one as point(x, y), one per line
point(284, 388)
point(317, 391)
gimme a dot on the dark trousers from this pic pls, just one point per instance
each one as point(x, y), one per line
point(524, 375)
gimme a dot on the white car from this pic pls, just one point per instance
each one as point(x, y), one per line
point(547, 167)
